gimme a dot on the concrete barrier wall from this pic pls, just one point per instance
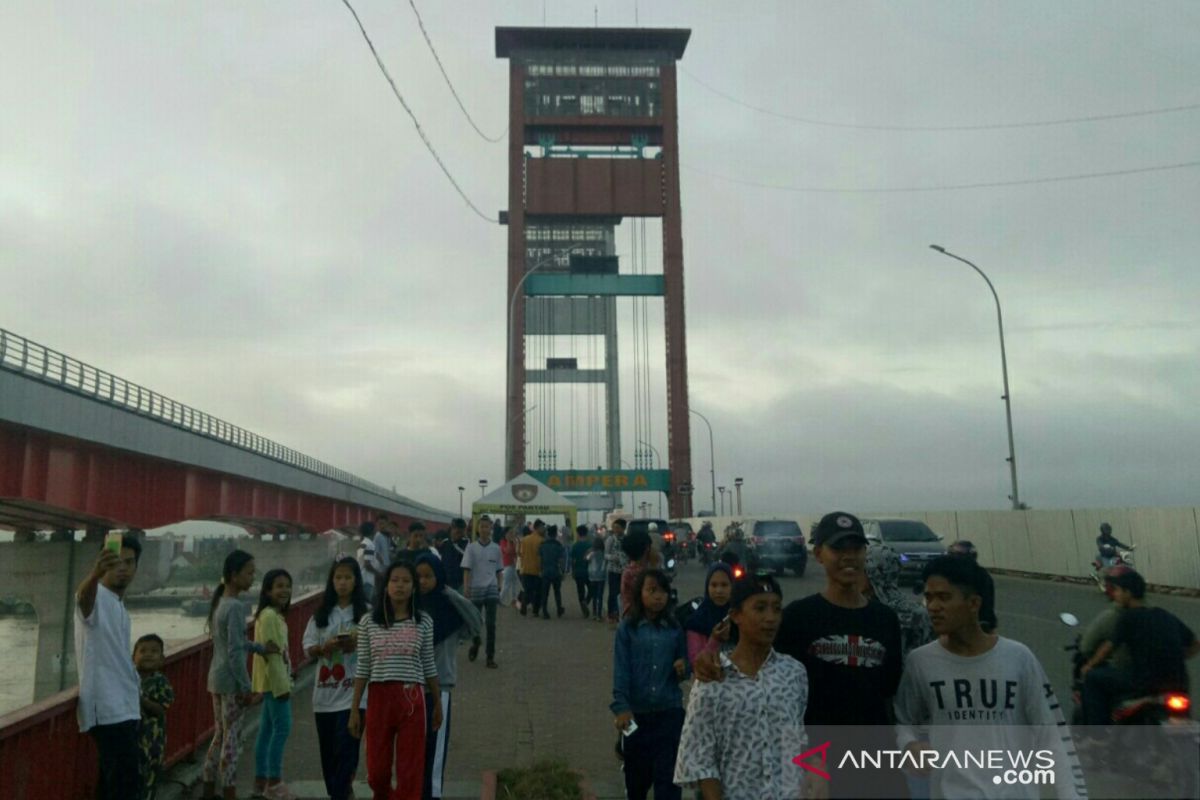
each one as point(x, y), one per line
point(1054, 542)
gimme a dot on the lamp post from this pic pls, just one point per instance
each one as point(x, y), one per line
point(1012, 454)
point(512, 348)
point(721, 489)
point(461, 489)
point(737, 483)
point(657, 456)
point(712, 465)
point(482, 486)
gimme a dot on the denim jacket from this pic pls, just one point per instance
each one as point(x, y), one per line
point(644, 676)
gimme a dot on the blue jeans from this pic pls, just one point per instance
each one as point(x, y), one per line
point(274, 725)
point(614, 595)
point(597, 597)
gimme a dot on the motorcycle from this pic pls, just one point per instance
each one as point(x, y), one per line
point(669, 547)
point(1167, 755)
point(1078, 659)
point(1119, 556)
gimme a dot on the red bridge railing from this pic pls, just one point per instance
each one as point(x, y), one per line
point(43, 756)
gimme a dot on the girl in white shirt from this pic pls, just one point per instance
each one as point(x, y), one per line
point(330, 638)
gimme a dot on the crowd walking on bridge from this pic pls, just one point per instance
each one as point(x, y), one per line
point(859, 662)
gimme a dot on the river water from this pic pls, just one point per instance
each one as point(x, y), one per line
point(18, 645)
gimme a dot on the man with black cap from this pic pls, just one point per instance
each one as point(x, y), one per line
point(851, 649)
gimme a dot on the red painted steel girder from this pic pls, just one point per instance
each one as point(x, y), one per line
point(51, 481)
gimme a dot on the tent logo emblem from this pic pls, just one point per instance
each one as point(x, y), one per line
point(524, 492)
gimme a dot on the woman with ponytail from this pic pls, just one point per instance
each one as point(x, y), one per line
point(228, 678)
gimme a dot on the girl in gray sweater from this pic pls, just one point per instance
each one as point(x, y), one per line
point(228, 678)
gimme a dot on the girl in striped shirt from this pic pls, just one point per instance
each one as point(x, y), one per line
point(395, 655)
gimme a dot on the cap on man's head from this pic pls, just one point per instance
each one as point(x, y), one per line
point(749, 585)
point(458, 522)
point(838, 526)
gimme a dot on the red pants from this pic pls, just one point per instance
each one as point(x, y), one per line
point(396, 724)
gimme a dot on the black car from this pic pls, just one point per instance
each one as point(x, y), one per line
point(916, 543)
point(779, 545)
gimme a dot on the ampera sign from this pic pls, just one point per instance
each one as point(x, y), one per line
point(605, 480)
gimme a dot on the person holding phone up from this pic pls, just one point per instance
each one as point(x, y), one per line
point(109, 706)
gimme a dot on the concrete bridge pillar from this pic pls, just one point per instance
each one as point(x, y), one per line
point(46, 574)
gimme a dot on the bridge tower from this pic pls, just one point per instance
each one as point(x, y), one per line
point(593, 140)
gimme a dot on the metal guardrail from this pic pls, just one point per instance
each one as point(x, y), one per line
point(28, 358)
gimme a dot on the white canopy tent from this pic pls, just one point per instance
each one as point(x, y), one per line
point(525, 496)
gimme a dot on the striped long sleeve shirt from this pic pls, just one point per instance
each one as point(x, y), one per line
point(402, 651)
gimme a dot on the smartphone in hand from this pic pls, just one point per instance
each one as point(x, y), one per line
point(112, 541)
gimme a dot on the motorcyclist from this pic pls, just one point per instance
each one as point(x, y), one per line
point(735, 542)
point(705, 536)
point(1107, 544)
point(1102, 628)
point(1158, 643)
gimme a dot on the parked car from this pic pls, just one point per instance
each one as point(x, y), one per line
point(915, 541)
point(779, 545)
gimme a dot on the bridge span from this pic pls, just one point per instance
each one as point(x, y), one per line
point(82, 449)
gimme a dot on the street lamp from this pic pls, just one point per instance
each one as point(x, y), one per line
point(1012, 454)
point(657, 456)
point(712, 466)
point(721, 489)
point(482, 486)
point(512, 347)
point(461, 489)
point(737, 483)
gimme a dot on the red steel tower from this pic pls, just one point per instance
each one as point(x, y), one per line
point(593, 139)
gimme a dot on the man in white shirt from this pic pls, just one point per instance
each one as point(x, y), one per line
point(383, 545)
point(481, 568)
point(109, 705)
point(971, 691)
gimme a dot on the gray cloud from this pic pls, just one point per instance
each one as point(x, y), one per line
point(226, 204)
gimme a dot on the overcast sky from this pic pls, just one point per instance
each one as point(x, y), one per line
point(224, 202)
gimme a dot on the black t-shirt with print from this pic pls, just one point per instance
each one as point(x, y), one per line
point(852, 656)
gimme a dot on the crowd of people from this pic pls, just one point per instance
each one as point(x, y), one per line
point(860, 661)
